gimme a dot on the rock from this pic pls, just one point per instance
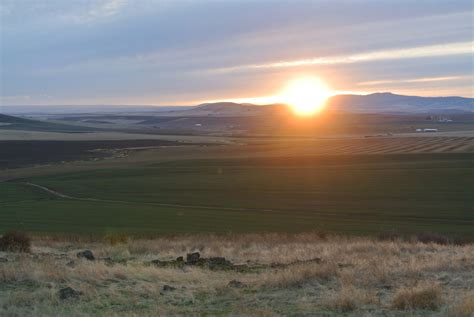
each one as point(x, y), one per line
point(112, 261)
point(193, 258)
point(71, 264)
point(241, 267)
point(3, 260)
point(87, 254)
point(69, 293)
point(236, 284)
point(167, 288)
point(172, 263)
point(159, 263)
point(284, 265)
point(219, 263)
point(313, 260)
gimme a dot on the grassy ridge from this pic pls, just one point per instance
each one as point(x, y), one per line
point(358, 195)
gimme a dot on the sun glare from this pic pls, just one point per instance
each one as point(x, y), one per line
point(306, 96)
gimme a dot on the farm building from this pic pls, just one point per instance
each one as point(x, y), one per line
point(426, 130)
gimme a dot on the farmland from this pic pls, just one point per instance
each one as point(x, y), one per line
point(353, 186)
point(374, 223)
point(23, 153)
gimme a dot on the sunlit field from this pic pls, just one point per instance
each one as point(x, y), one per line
point(351, 194)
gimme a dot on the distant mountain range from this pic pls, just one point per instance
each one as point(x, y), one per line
point(372, 103)
point(392, 103)
point(232, 109)
point(76, 109)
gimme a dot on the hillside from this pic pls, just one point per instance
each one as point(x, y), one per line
point(392, 103)
point(232, 109)
point(373, 103)
point(7, 120)
point(16, 123)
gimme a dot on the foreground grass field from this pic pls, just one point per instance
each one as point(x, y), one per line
point(266, 275)
point(354, 194)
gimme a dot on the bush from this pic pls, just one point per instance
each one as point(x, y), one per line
point(389, 235)
point(350, 299)
point(442, 239)
point(421, 297)
point(427, 237)
point(462, 240)
point(13, 241)
point(424, 237)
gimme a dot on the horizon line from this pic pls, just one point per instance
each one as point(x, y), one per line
point(234, 100)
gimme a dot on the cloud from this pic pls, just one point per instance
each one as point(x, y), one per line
point(122, 49)
point(95, 10)
point(10, 98)
point(403, 53)
point(19, 14)
point(413, 80)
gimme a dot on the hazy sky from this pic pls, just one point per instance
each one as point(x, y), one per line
point(185, 52)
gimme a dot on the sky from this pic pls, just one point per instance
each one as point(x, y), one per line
point(147, 52)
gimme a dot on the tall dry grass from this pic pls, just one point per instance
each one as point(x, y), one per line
point(349, 299)
point(428, 296)
point(464, 307)
point(354, 274)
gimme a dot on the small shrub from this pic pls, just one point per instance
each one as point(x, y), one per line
point(462, 240)
point(349, 299)
point(424, 237)
point(13, 241)
point(421, 297)
point(427, 237)
point(114, 239)
point(389, 235)
point(323, 235)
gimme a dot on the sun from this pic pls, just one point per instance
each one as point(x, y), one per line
point(306, 96)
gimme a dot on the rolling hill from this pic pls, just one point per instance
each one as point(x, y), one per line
point(230, 109)
point(8, 122)
point(373, 103)
point(385, 103)
point(392, 103)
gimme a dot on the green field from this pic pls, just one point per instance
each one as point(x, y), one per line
point(360, 194)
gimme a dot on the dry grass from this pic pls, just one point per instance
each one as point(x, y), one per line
point(358, 276)
point(463, 308)
point(298, 275)
point(419, 297)
point(350, 298)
